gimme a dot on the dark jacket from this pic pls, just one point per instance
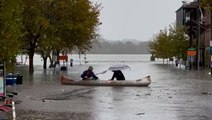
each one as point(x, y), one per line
point(118, 75)
point(88, 74)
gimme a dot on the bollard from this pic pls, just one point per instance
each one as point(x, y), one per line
point(13, 108)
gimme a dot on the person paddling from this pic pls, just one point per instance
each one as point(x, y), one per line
point(88, 74)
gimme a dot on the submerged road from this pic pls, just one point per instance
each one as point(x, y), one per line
point(175, 94)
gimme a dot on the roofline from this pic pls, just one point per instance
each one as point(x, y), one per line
point(189, 5)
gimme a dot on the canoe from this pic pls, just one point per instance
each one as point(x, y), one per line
point(139, 82)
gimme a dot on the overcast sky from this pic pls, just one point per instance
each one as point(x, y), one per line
point(136, 19)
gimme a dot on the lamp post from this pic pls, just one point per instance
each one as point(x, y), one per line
point(211, 38)
point(198, 34)
point(198, 40)
point(201, 19)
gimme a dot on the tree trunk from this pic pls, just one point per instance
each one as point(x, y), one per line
point(51, 62)
point(58, 53)
point(31, 66)
point(45, 62)
point(31, 52)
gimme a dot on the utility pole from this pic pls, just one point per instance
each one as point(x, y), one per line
point(198, 42)
point(198, 34)
point(211, 35)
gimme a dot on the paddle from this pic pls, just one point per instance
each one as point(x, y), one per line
point(103, 72)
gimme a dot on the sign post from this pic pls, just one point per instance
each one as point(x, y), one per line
point(2, 79)
point(191, 53)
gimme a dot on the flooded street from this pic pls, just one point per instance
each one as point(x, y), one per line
point(174, 94)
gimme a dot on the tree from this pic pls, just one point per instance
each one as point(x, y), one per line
point(33, 27)
point(10, 24)
point(180, 41)
point(58, 25)
point(160, 45)
point(206, 3)
point(169, 43)
point(74, 23)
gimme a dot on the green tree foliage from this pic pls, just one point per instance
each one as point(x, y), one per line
point(206, 3)
point(179, 42)
point(77, 21)
point(10, 27)
point(160, 45)
point(169, 43)
point(58, 25)
point(33, 24)
point(74, 25)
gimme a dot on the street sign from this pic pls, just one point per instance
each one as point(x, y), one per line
point(191, 59)
point(63, 57)
point(191, 52)
point(191, 49)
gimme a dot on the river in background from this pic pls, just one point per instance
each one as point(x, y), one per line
point(174, 94)
point(80, 59)
point(140, 66)
point(101, 62)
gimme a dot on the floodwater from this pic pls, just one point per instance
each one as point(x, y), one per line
point(174, 94)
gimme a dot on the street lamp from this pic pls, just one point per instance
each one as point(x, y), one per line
point(200, 20)
point(211, 40)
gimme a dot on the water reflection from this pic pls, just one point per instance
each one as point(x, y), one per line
point(119, 103)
